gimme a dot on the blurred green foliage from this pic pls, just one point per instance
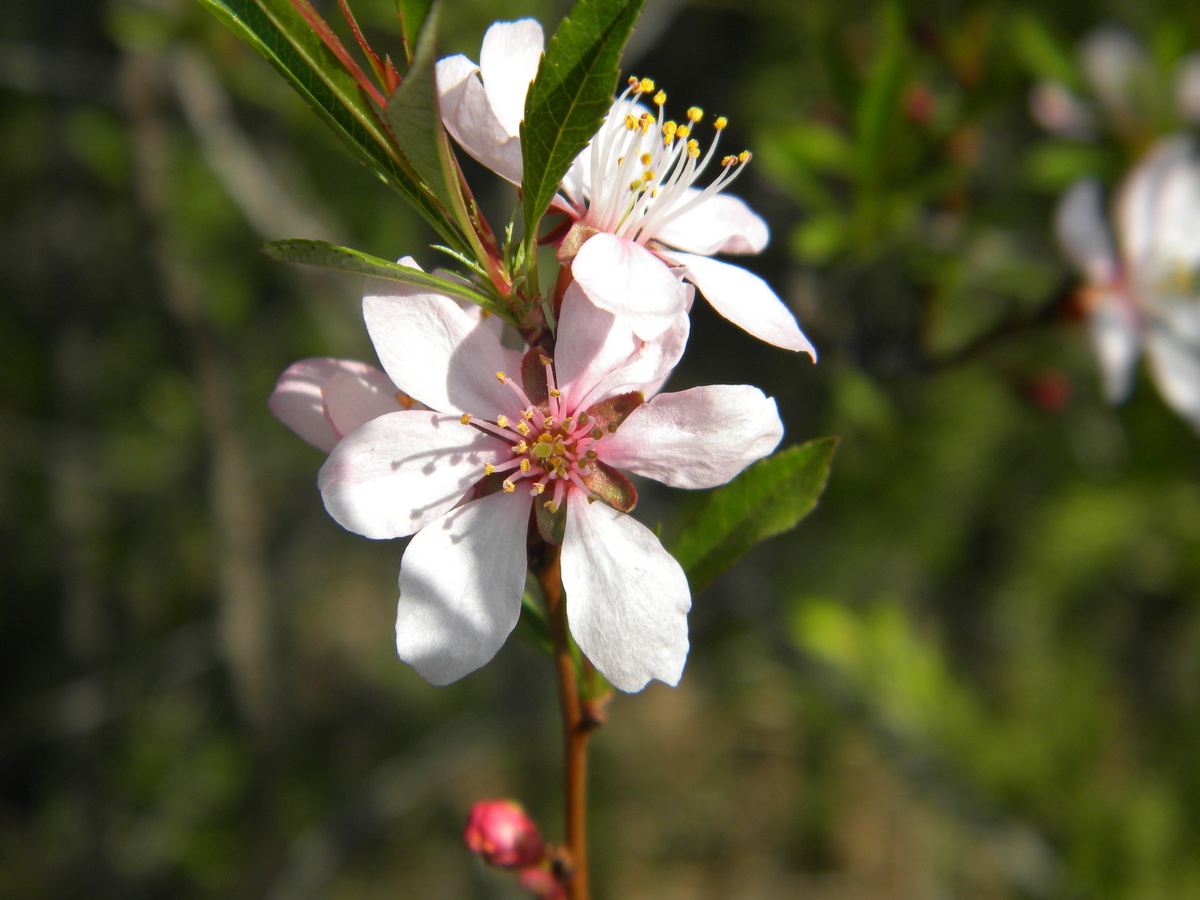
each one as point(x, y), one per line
point(974, 671)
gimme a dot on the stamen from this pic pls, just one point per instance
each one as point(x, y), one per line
point(465, 418)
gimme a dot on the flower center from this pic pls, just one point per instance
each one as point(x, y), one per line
point(552, 449)
point(642, 168)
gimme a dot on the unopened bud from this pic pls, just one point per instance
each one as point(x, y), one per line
point(501, 834)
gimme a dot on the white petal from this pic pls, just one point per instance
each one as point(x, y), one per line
point(627, 597)
point(626, 279)
point(508, 61)
point(1187, 88)
point(298, 402)
point(721, 224)
point(460, 587)
point(472, 122)
point(1137, 206)
point(697, 438)
point(351, 400)
point(396, 473)
point(1115, 341)
point(1173, 345)
point(1114, 62)
point(438, 353)
point(1083, 232)
point(597, 355)
point(745, 300)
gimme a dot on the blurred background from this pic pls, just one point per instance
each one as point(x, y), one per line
point(973, 672)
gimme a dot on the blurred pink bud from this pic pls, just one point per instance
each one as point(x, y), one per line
point(501, 834)
point(542, 884)
point(1060, 112)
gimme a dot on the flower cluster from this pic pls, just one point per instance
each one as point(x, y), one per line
point(1143, 286)
point(497, 445)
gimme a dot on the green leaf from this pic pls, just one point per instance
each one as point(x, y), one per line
point(879, 104)
point(412, 18)
point(1041, 51)
point(331, 256)
point(570, 96)
point(279, 33)
point(413, 117)
point(767, 499)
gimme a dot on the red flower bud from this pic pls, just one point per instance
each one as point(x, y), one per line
point(500, 833)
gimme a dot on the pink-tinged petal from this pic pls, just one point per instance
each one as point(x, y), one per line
point(1114, 62)
point(297, 400)
point(629, 281)
point(438, 353)
point(1173, 349)
point(460, 587)
point(1056, 109)
point(698, 438)
point(721, 224)
point(1116, 342)
point(393, 475)
point(1082, 229)
point(351, 400)
point(598, 355)
point(508, 61)
point(469, 118)
point(745, 300)
point(1177, 211)
point(627, 597)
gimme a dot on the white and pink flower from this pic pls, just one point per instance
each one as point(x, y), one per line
point(1144, 286)
point(641, 217)
point(503, 432)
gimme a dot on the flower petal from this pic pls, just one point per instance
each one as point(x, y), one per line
point(721, 223)
point(460, 587)
point(697, 438)
point(627, 597)
point(745, 300)
point(396, 473)
point(1083, 232)
point(598, 356)
point(437, 353)
point(1115, 340)
point(508, 61)
point(299, 403)
point(627, 280)
point(471, 121)
point(1136, 209)
point(351, 400)
point(1173, 344)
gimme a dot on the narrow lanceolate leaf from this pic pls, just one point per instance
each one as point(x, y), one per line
point(570, 95)
point(413, 117)
point(280, 34)
point(412, 17)
point(331, 256)
point(767, 499)
point(878, 106)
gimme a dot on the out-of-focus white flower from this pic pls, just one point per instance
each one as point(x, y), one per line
point(1143, 288)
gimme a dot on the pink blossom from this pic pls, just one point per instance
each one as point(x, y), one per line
point(501, 834)
point(635, 194)
point(1142, 286)
point(502, 433)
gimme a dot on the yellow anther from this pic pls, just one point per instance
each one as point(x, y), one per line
point(646, 159)
point(465, 418)
point(597, 433)
point(567, 423)
point(612, 428)
point(544, 359)
point(693, 149)
point(695, 114)
point(508, 486)
point(669, 128)
point(633, 81)
point(555, 393)
point(520, 447)
point(538, 487)
point(647, 176)
point(526, 414)
point(630, 122)
point(551, 422)
point(720, 122)
point(488, 468)
point(522, 428)
point(660, 98)
point(728, 161)
point(502, 421)
point(744, 156)
point(525, 465)
point(583, 417)
point(592, 454)
point(636, 184)
point(682, 131)
point(501, 377)
point(646, 86)
point(552, 506)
